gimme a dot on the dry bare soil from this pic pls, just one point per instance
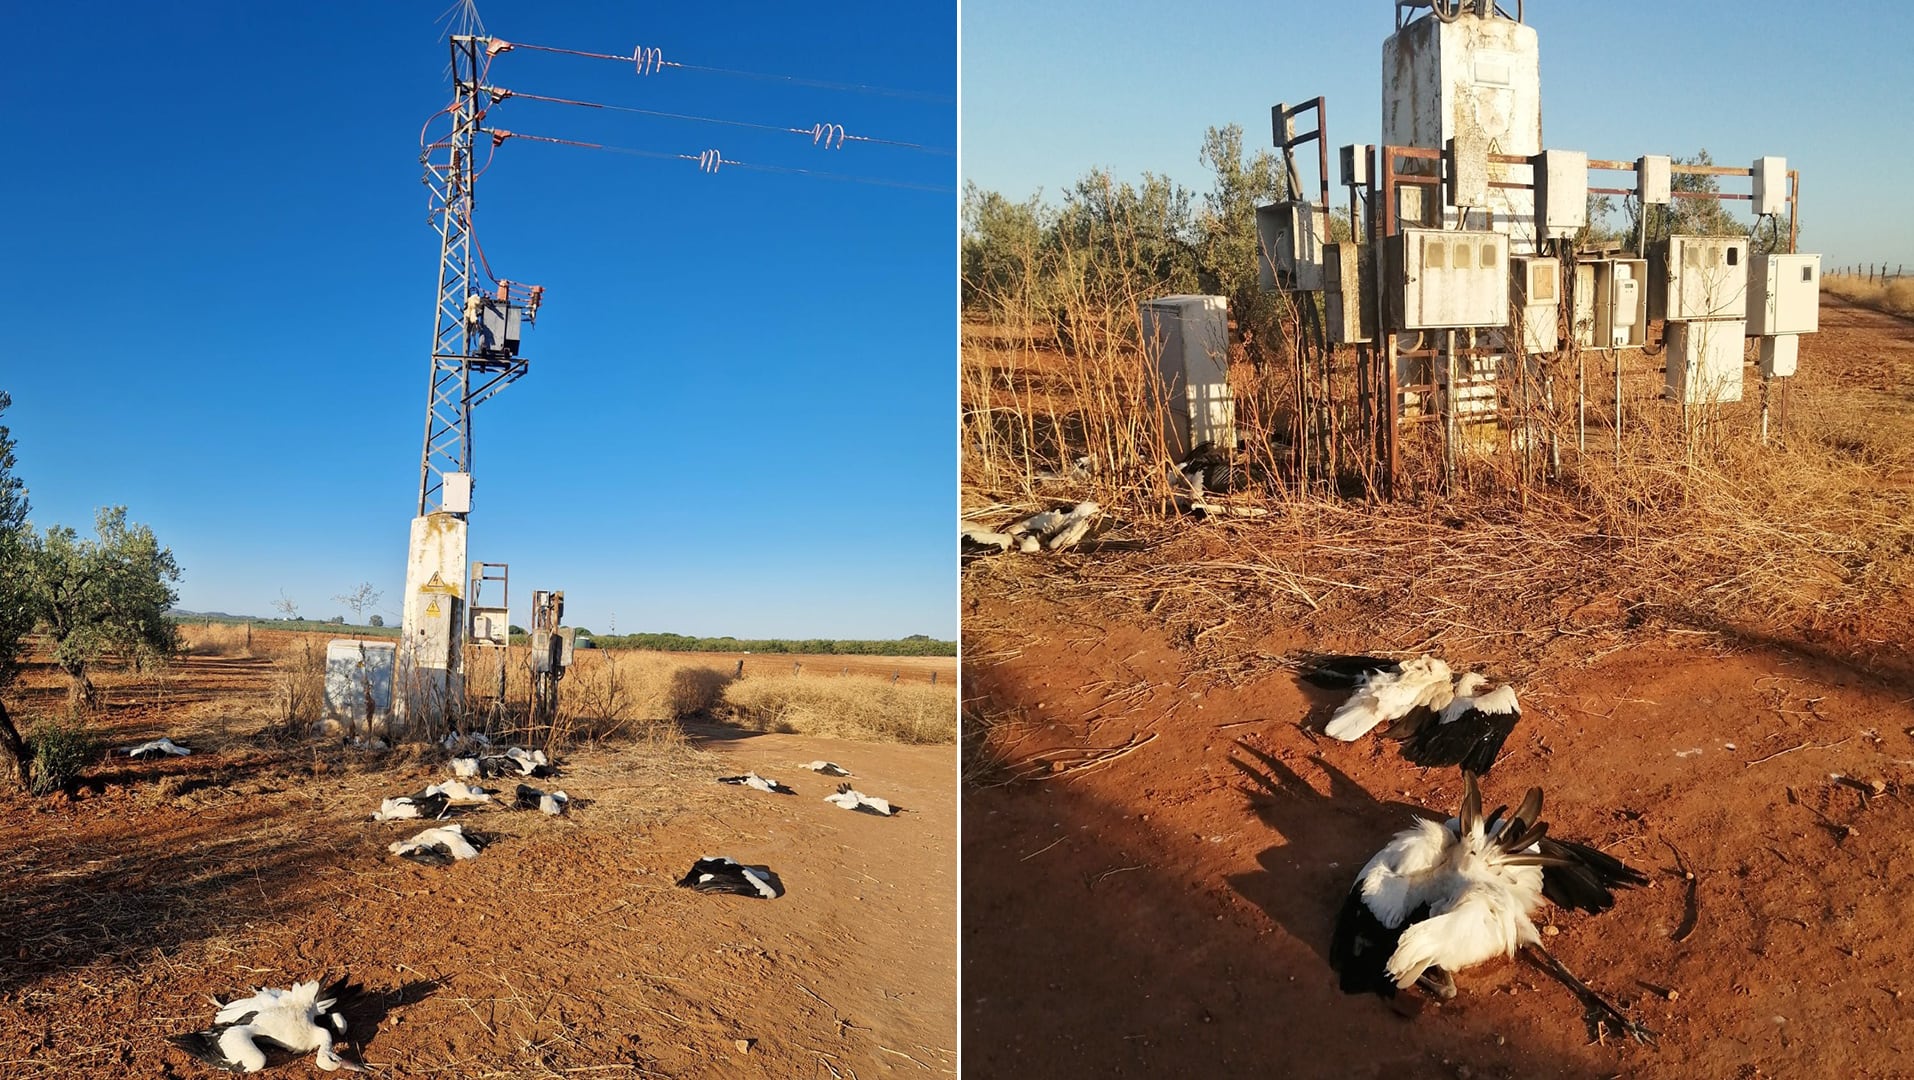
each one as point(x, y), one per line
point(1166, 911)
point(563, 950)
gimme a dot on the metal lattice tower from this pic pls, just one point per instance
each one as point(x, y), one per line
point(461, 376)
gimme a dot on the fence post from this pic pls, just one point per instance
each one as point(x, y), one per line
point(795, 665)
point(933, 678)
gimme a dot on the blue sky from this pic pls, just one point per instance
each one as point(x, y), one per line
point(1054, 89)
point(740, 417)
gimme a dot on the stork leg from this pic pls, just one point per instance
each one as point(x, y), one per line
point(1437, 982)
point(1598, 1009)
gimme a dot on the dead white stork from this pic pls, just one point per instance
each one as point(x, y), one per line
point(158, 748)
point(1054, 530)
point(828, 768)
point(299, 1020)
point(723, 875)
point(548, 802)
point(1441, 897)
point(514, 762)
point(760, 783)
point(849, 799)
point(434, 802)
point(1469, 731)
point(1441, 718)
point(1386, 692)
point(441, 846)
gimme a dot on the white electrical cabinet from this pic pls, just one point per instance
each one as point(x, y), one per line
point(456, 495)
point(1770, 185)
point(1655, 180)
point(1348, 294)
point(1561, 193)
point(1704, 361)
point(1441, 279)
point(1537, 285)
point(1698, 277)
point(1188, 337)
point(359, 682)
point(1780, 356)
point(1786, 295)
point(1621, 304)
point(1289, 241)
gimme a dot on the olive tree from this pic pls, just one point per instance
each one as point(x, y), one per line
point(103, 596)
point(15, 620)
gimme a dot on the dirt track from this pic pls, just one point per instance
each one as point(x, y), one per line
point(563, 949)
point(1168, 913)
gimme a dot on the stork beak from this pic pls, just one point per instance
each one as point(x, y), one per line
point(332, 1062)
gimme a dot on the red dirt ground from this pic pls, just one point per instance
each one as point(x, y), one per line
point(563, 950)
point(1168, 912)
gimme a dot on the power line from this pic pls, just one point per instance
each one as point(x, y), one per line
point(830, 136)
point(649, 61)
point(710, 161)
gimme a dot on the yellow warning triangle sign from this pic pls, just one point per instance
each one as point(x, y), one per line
point(435, 584)
point(432, 610)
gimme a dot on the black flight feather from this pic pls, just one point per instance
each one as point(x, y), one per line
point(1333, 672)
point(1587, 878)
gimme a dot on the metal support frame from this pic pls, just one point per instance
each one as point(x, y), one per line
point(548, 613)
point(1313, 425)
point(500, 573)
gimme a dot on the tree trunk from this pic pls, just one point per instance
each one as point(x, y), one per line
point(81, 697)
point(13, 750)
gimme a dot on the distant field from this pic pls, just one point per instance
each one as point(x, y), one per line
point(795, 649)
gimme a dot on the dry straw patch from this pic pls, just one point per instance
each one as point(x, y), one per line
point(216, 639)
point(1894, 295)
point(846, 707)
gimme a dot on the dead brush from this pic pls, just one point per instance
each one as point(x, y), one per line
point(1520, 538)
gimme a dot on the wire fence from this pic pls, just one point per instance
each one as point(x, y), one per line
point(1873, 271)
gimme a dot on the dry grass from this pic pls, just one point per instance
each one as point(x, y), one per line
point(216, 639)
point(846, 707)
point(1894, 296)
point(1693, 520)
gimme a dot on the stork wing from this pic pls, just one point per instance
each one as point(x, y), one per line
point(1472, 740)
point(1585, 879)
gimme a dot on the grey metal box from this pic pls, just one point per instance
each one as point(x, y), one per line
point(1655, 180)
point(1621, 304)
point(1289, 241)
point(1442, 279)
point(1770, 185)
point(1536, 294)
point(1561, 193)
point(1704, 361)
point(1354, 160)
point(1786, 295)
point(1698, 277)
point(1349, 294)
point(1188, 338)
point(1468, 185)
point(1780, 356)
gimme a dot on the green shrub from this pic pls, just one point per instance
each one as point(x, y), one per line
point(60, 750)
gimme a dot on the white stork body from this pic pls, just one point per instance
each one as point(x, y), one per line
point(443, 845)
point(1439, 898)
point(160, 747)
point(848, 798)
point(286, 1018)
point(1388, 696)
